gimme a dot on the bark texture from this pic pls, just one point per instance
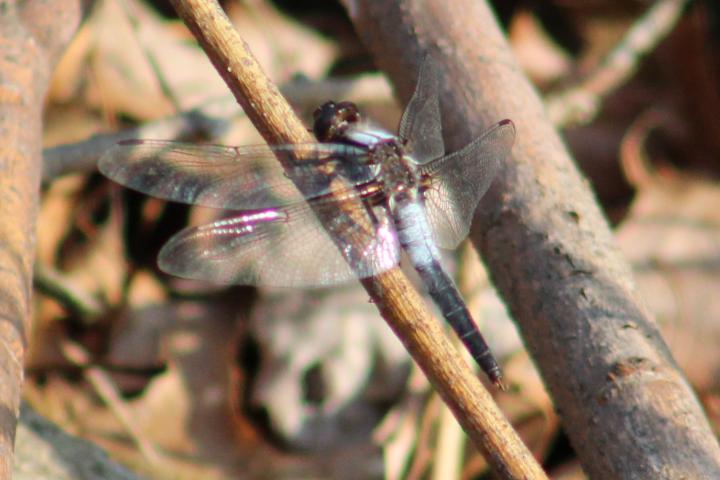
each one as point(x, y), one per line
point(34, 34)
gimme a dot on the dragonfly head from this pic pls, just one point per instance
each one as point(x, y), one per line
point(331, 120)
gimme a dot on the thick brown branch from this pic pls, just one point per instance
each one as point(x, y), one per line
point(33, 36)
point(398, 302)
point(627, 409)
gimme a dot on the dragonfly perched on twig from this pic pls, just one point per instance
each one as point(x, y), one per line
point(412, 196)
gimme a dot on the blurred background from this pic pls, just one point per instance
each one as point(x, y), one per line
point(180, 379)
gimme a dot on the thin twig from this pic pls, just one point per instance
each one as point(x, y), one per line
point(581, 103)
point(399, 303)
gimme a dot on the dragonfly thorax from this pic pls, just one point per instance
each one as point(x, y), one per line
point(398, 172)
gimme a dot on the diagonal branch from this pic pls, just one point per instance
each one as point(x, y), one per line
point(399, 303)
point(628, 410)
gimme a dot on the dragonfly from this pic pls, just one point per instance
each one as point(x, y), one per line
point(399, 192)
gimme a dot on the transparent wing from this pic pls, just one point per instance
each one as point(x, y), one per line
point(238, 178)
point(460, 179)
point(420, 122)
point(284, 247)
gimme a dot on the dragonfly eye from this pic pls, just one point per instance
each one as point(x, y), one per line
point(323, 109)
point(348, 111)
point(324, 121)
point(332, 119)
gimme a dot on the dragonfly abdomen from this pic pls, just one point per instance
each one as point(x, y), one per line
point(445, 294)
point(415, 237)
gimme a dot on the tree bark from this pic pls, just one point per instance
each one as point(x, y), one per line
point(626, 407)
point(34, 34)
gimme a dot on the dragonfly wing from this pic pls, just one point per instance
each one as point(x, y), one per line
point(238, 178)
point(460, 179)
point(420, 122)
point(283, 247)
